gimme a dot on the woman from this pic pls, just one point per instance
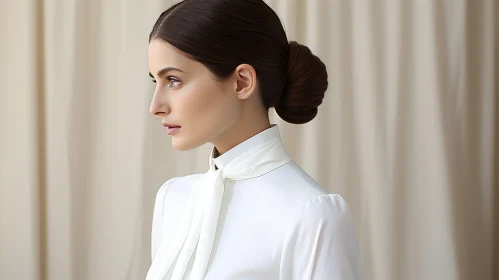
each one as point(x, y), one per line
point(219, 65)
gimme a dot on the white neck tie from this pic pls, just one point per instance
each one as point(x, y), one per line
point(199, 223)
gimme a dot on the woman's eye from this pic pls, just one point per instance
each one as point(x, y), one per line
point(154, 80)
point(173, 82)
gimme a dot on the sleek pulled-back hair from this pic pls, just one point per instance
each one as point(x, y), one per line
point(222, 34)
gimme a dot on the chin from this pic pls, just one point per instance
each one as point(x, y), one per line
point(183, 146)
point(180, 147)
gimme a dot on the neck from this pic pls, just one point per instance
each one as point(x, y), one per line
point(238, 134)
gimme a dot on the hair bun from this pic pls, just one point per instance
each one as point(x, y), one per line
point(305, 85)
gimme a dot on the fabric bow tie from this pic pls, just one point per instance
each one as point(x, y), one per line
point(198, 226)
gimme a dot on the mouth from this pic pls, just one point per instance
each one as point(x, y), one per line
point(172, 130)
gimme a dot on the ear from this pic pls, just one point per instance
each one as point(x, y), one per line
point(245, 81)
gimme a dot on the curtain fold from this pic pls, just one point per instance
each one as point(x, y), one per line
point(408, 134)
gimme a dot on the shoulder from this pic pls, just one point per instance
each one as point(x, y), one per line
point(322, 243)
point(325, 220)
point(328, 209)
point(291, 187)
point(298, 199)
point(328, 215)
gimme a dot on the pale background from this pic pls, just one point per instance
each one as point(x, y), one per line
point(407, 134)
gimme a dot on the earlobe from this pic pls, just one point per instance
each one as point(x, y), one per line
point(246, 81)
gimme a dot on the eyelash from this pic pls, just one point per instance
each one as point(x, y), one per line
point(171, 79)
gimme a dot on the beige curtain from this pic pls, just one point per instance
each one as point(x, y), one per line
point(408, 134)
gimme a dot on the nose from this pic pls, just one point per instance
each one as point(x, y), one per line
point(158, 105)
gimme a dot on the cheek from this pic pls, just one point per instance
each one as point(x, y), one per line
point(206, 102)
point(207, 110)
point(195, 106)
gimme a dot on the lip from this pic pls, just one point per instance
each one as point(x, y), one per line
point(170, 125)
point(172, 130)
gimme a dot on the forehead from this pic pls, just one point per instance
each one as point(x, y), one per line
point(162, 54)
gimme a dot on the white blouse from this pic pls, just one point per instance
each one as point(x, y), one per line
point(281, 225)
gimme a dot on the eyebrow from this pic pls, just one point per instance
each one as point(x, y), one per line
point(165, 70)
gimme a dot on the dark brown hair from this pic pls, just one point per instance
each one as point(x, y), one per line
point(222, 34)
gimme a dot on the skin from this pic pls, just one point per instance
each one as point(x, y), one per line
point(224, 113)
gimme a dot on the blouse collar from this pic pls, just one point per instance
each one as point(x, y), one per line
point(260, 138)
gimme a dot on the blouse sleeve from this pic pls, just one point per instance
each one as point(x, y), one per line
point(157, 218)
point(322, 244)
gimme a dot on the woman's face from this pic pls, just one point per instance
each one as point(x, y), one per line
point(187, 95)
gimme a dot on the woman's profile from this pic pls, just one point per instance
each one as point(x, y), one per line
point(219, 66)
